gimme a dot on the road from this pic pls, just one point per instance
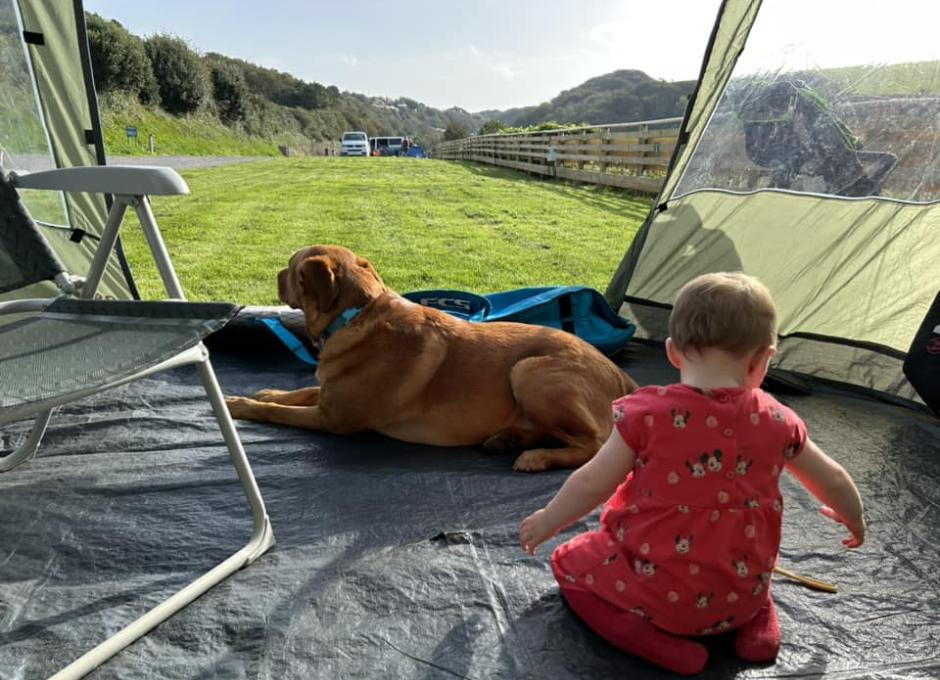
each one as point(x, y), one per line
point(183, 162)
point(36, 162)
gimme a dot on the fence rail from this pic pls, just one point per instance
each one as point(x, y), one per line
point(627, 155)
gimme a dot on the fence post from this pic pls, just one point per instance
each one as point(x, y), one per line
point(605, 140)
point(582, 152)
point(645, 141)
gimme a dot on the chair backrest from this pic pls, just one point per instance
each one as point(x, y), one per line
point(25, 255)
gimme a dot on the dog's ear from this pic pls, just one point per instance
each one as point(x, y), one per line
point(283, 290)
point(365, 264)
point(317, 278)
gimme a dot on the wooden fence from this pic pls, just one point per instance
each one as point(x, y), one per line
point(627, 155)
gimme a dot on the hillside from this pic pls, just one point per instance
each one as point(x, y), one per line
point(327, 117)
point(163, 86)
point(214, 103)
point(617, 97)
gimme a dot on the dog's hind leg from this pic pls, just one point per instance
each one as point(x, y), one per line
point(539, 460)
point(308, 396)
point(566, 403)
point(513, 440)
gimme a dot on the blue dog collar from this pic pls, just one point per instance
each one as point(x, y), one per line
point(340, 321)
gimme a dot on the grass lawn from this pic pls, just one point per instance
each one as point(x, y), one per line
point(422, 223)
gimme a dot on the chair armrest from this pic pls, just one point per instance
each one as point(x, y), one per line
point(120, 180)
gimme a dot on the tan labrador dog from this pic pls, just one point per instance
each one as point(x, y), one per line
point(419, 375)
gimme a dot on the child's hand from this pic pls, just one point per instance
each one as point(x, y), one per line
point(857, 529)
point(535, 531)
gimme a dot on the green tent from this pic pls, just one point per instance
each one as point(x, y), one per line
point(817, 175)
point(49, 119)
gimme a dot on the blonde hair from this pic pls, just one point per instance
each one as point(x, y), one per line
point(726, 310)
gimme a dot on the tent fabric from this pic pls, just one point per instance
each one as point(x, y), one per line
point(860, 291)
point(729, 34)
point(402, 561)
point(854, 273)
point(55, 65)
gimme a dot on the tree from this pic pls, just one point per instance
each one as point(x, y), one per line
point(118, 60)
point(491, 127)
point(230, 91)
point(455, 131)
point(332, 95)
point(179, 72)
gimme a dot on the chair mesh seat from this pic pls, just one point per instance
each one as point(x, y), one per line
point(74, 345)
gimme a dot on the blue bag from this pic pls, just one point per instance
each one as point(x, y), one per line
point(579, 310)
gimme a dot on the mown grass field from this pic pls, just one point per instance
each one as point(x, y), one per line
point(423, 223)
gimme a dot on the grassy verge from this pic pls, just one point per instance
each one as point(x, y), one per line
point(424, 224)
point(192, 135)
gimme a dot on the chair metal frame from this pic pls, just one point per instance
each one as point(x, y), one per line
point(132, 187)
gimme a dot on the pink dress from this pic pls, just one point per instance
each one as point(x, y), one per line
point(689, 540)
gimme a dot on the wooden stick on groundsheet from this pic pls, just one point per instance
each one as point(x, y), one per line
point(807, 581)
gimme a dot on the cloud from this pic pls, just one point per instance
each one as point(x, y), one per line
point(491, 62)
point(504, 71)
point(617, 27)
point(605, 35)
point(349, 59)
point(623, 39)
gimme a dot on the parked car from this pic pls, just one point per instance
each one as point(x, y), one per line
point(387, 146)
point(354, 144)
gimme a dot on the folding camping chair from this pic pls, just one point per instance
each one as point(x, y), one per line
point(74, 346)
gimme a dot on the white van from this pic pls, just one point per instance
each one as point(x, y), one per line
point(354, 144)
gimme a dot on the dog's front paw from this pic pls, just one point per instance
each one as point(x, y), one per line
point(532, 461)
point(239, 407)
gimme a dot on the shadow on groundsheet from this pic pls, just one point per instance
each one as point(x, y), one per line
point(401, 561)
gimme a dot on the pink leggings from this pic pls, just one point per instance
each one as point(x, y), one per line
point(758, 640)
point(632, 634)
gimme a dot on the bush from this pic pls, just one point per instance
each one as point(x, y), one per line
point(455, 131)
point(285, 89)
point(492, 126)
point(495, 126)
point(180, 75)
point(118, 60)
point(230, 92)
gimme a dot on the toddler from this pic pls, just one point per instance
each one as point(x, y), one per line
point(690, 532)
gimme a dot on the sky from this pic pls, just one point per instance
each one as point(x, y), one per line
point(500, 54)
point(475, 54)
